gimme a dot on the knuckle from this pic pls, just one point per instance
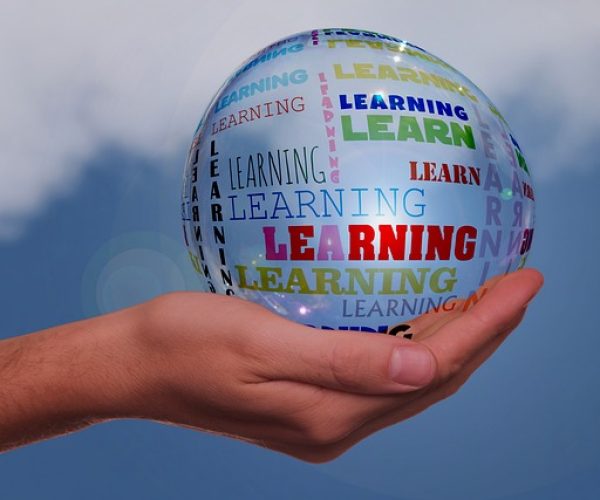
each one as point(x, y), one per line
point(454, 367)
point(482, 320)
point(448, 363)
point(345, 366)
point(445, 372)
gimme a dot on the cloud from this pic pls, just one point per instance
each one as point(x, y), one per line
point(78, 76)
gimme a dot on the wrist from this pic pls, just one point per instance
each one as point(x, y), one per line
point(65, 378)
point(112, 381)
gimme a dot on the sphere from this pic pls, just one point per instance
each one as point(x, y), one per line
point(347, 179)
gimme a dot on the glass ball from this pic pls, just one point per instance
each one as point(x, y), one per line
point(351, 180)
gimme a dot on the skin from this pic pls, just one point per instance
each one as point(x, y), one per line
point(227, 366)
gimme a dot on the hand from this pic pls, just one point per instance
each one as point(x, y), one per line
point(228, 366)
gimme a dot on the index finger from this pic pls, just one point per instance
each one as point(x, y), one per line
point(461, 339)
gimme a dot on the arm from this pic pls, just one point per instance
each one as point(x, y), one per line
point(227, 366)
point(64, 378)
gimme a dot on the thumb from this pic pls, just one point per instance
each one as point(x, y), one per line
point(349, 361)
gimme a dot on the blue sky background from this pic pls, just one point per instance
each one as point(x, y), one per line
point(98, 106)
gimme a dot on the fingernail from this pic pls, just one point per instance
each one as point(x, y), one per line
point(412, 365)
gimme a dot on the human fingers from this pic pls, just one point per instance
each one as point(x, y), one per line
point(365, 415)
point(425, 398)
point(460, 339)
point(362, 363)
point(371, 414)
point(427, 324)
point(343, 361)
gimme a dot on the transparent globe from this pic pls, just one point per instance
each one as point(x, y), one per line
point(348, 179)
